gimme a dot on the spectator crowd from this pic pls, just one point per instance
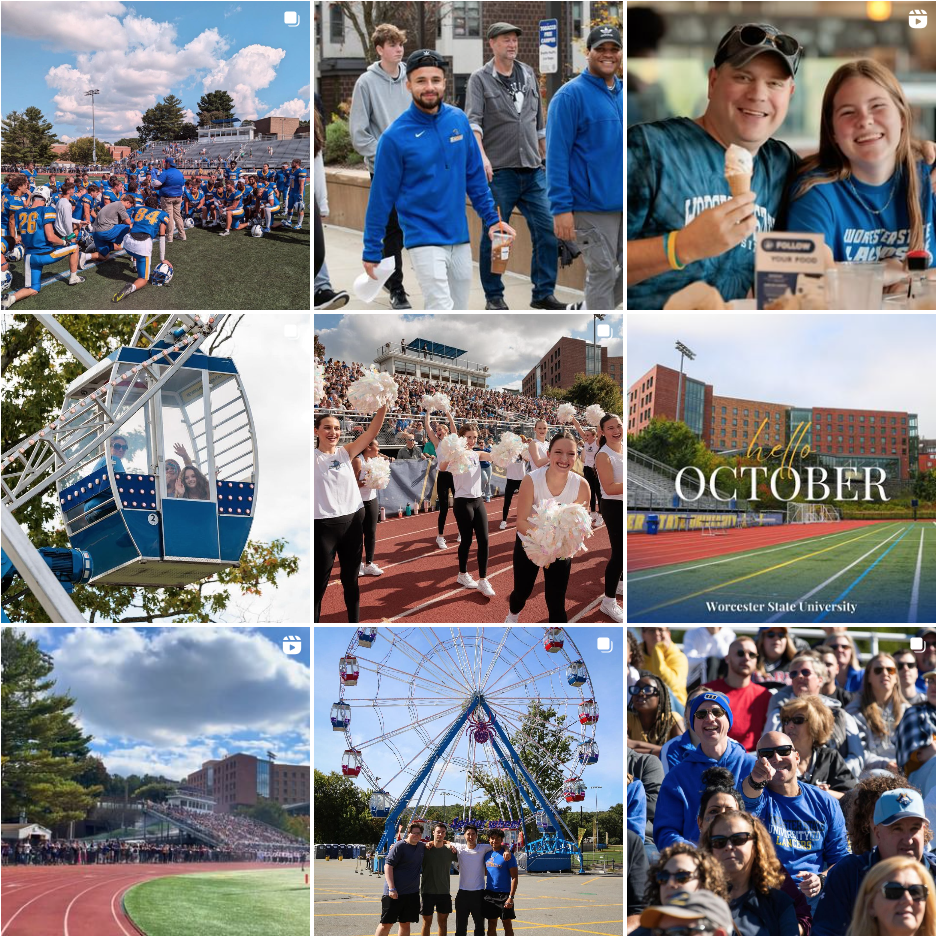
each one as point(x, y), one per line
point(231, 830)
point(779, 787)
point(113, 852)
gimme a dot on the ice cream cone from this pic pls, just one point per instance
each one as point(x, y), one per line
point(739, 184)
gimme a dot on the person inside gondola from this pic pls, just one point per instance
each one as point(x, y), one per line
point(194, 483)
point(174, 487)
point(118, 450)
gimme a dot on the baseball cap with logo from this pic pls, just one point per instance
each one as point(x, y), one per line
point(603, 34)
point(896, 805)
point(691, 906)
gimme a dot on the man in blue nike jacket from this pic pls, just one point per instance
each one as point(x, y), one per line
point(426, 163)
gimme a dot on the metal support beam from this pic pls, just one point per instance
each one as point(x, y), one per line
point(66, 338)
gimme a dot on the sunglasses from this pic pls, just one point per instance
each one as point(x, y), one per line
point(737, 839)
point(801, 673)
point(879, 670)
point(839, 647)
point(752, 35)
point(717, 712)
point(782, 750)
point(774, 635)
point(643, 690)
point(702, 926)
point(797, 720)
point(894, 890)
point(752, 654)
point(663, 877)
point(117, 445)
point(907, 665)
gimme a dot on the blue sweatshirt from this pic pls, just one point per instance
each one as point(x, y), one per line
point(679, 797)
point(808, 830)
point(425, 165)
point(586, 146)
point(637, 808)
point(834, 911)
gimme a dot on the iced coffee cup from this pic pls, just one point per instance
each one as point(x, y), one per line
point(500, 251)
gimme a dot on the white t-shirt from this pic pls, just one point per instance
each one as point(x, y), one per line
point(472, 863)
point(568, 495)
point(367, 494)
point(618, 470)
point(469, 484)
point(335, 491)
point(589, 451)
point(542, 450)
point(517, 470)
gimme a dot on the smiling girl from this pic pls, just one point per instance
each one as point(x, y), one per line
point(610, 469)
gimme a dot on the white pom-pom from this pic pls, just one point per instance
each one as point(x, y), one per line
point(376, 473)
point(428, 402)
point(565, 412)
point(557, 531)
point(594, 413)
point(507, 449)
point(453, 450)
point(442, 402)
point(320, 385)
point(373, 390)
point(433, 402)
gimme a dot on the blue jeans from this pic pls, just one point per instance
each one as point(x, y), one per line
point(486, 479)
point(526, 191)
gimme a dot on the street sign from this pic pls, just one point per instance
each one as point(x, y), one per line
point(549, 60)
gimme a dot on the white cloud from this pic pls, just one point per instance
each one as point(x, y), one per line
point(304, 92)
point(67, 26)
point(244, 74)
point(190, 116)
point(65, 138)
point(232, 12)
point(294, 108)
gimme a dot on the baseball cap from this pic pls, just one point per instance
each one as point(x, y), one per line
point(424, 58)
point(689, 906)
point(744, 41)
point(898, 804)
point(497, 29)
point(921, 632)
point(603, 34)
point(711, 696)
point(171, 162)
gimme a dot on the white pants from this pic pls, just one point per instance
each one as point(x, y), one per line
point(444, 274)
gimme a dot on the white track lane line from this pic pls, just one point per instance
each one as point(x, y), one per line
point(593, 604)
point(745, 554)
point(28, 903)
point(421, 530)
point(120, 890)
point(446, 595)
point(912, 610)
point(834, 577)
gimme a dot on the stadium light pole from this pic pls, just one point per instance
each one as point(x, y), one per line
point(94, 141)
point(684, 353)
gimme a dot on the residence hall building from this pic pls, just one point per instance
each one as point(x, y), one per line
point(238, 780)
point(864, 438)
point(925, 455)
point(567, 358)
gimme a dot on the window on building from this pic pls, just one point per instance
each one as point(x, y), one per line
point(862, 418)
point(723, 411)
point(839, 418)
point(735, 411)
point(839, 448)
point(851, 451)
point(777, 437)
point(777, 415)
point(723, 421)
point(881, 419)
point(466, 19)
point(756, 415)
point(839, 438)
point(893, 451)
point(735, 422)
point(861, 451)
point(735, 432)
point(829, 418)
point(903, 421)
point(461, 83)
point(745, 412)
point(745, 422)
point(892, 421)
point(336, 24)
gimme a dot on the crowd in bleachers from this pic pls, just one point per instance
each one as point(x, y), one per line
point(230, 829)
point(115, 852)
point(778, 786)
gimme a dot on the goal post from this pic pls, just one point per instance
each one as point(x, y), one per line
point(800, 513)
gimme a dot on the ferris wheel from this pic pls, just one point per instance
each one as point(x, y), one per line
point(507, 716)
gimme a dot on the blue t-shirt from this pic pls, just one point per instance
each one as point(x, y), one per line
point(808, 830)
point(497, 871)
point(676, 171)
point(407, 863)
point(637, 807)
point(843, 213)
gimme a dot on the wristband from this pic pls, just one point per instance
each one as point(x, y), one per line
point(670, 249)
point(759, 785)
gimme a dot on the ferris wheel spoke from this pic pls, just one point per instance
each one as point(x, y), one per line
point(456, 669)
point(395, 732)
point(401, 676)
point(516, 662)
point(543, 673)
point(405, 648)
point(549, 756)
point(419, 753)
point(495, 657)
point(460, 642)
point(573, 729)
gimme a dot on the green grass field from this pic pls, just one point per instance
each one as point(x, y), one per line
point(241, 904)
point(209, 272)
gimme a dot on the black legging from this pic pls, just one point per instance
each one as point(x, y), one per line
point(592, 477)
point(510, 490)
point(613, 513)
point(555, 582)
point(318, 239)
point(471, 516)
point(371, 512)
point(340, 535)
point(444, 484)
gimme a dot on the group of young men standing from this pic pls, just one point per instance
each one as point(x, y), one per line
point(416, 882)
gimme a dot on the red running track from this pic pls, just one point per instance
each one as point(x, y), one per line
point(74, 900)
point(647, 552)
point(419, 581)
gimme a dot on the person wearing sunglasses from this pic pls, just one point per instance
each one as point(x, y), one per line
point(651, 721)
point(676, 751)
point(896, 898)
point(808, 723)
point(710, 714)
point(806, 822)
point(915, 738)
point(878, 710)
point(118, 451)
point(850, 670)
point(906, 663)
point(776, 649)
point(926, 657)
point(899, 828)
point(831, 687)
point(743, 847)
point(749, 700)
point(697, 912)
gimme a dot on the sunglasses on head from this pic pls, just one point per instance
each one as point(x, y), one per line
point(797, 720)
point(782, 750)
point(663, 876)
point(717, 712)
point(742, 653)
point(894, 890)
point(878, 670)
point(645, 689)
point(737, 839)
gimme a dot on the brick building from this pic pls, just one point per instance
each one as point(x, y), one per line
point(460, 36)
point(237, 781)
point(560, 365)
point(655, 394)
point(283, 127)
point(925, 455)
point(734, 421)
point(116, 152)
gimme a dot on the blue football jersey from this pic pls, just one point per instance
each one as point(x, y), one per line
point(232, 175)
point(283, 178)
point(268, 176)
point(232, 200)
point(269, 196)
point(31, 227)
point(148, 220)
point(298, 181)
point(11, 203)
point(89, 200)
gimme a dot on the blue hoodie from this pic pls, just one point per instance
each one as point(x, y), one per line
point(424, 166)
point(586, 146)
point(637, 808)
point(679, 797)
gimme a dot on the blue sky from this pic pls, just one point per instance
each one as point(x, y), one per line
point(164, 700)
point(508, 344)
point(605, 670)
point(139, 53)
point(878, 361)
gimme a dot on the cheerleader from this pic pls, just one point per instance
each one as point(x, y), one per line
point(514, 473)
point(371, 507)
point(444, 481)
point(557, 482)
point(470, 512)
point(609, 468)
point(538, 446)
point(590, 447)
point(338, 511)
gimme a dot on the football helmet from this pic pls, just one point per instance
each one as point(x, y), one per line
point(17, 253)
point(44, 191)
point(257, 231)
point(6, 280)
point(190, 222)
point(162, 274)
point(86, 241)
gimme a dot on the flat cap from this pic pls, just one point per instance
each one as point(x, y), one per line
point(497, 29)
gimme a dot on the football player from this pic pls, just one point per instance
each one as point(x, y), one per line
point(193, 200)
point(297, 193)
point(232, 173)
point(233, 208)
point(267, 175)
point(271, 205)
point(110, 228)
point(283, 182)
point(30, 173)
point(87, 203)
point(36, 226)
point(149, 222)
point(15, 197)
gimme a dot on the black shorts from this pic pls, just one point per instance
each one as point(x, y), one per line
point(441, 904)
point(401, 908)
point(494, 906)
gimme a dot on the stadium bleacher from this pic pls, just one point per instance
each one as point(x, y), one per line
point(250, 154)
point(651, 485)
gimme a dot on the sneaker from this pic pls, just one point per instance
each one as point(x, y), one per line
point(497, 303)
point(548, 302)
point(441, 543)
point(82, 260)
point(75, 280)
point(511, 619)
point(597, 519)
point(611, 608)
point(458, 539)
point(224, 234)
point(399, 299)
point(361, 569)
point(484, 587)
point(125, 291)
point(465, 579)
point(503, 525)
point(372, 569)
point(487, 499)
point(330, 299)
point(621, 587)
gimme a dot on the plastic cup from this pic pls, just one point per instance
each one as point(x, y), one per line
point(500, 251)
point(855, 286)
point(367, 289)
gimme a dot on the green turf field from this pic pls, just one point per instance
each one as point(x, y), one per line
point(222, 903)
point(209, 272)
point(884, 570)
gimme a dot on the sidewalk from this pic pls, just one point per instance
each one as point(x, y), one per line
point(343, 258)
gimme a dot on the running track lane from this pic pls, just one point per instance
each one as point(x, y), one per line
point(73, 900)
